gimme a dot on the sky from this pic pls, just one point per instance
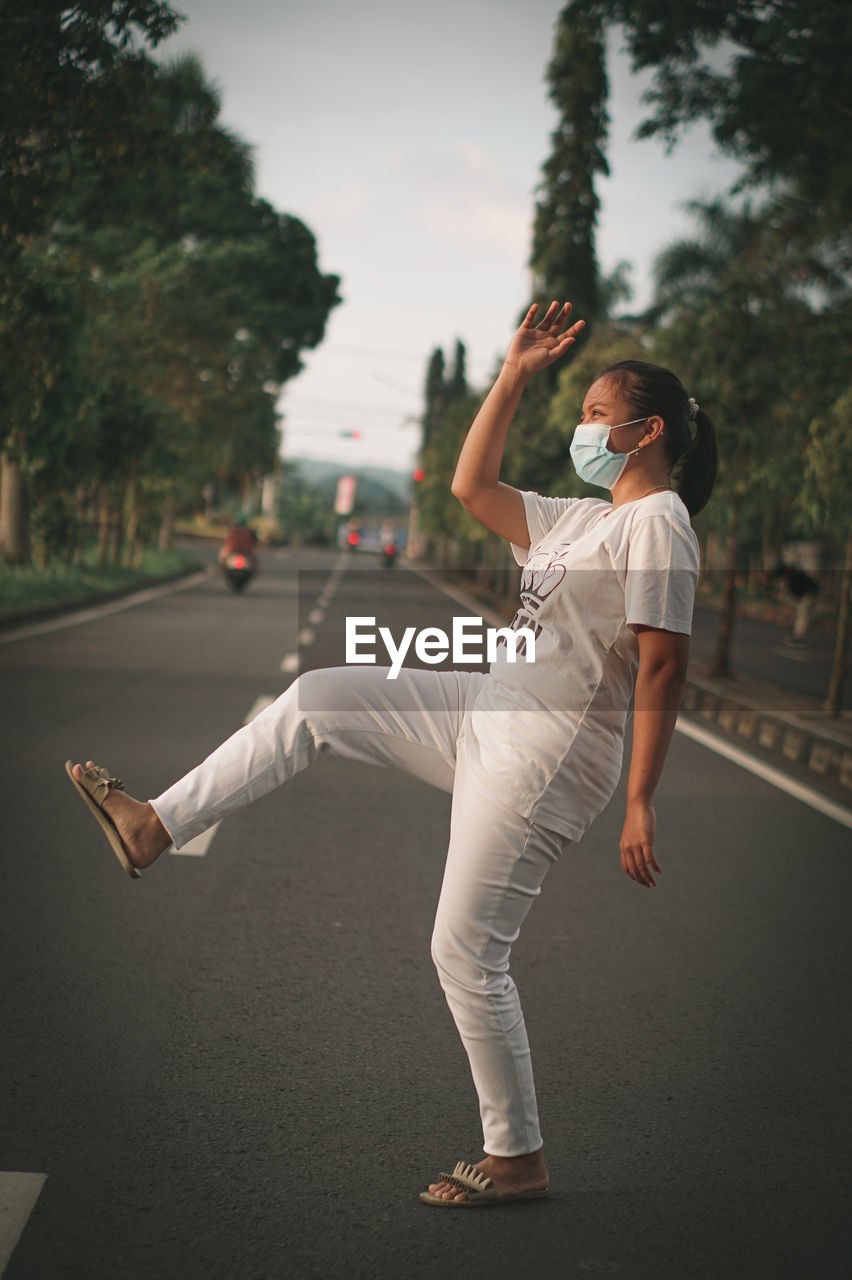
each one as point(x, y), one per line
point(409, 138)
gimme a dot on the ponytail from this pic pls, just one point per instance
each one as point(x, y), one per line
point(694, 473)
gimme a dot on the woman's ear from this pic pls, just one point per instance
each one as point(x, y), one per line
point(654, 427)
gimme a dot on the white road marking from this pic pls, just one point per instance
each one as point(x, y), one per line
point(721, 746)
point(18, 1195)
point(102, 610)
point(793, 654)
point(290, 662)
point(198, 846)
point(765, 771)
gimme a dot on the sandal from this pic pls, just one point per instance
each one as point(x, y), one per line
point(94, 788)
point(478, 1188)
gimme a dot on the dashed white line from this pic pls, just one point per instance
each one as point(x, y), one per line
point(18, 1195)
point(290, 661)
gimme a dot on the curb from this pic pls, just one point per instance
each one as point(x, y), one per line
point(801, 737)
point(115, 604)
point(30, 617)
point(822, 748)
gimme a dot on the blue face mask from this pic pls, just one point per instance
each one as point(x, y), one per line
point(592, 461)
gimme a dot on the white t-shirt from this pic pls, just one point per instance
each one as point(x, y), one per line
point(550, 733)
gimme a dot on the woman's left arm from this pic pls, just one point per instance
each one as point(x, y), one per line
point(663, 658)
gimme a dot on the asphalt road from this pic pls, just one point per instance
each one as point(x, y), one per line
point(241, 1067)
point(762, 651)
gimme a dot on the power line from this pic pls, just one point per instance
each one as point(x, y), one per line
point(344, 406)
point(338, 428)
point(366, 353)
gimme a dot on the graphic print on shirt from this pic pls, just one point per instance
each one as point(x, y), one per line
point(542, 574)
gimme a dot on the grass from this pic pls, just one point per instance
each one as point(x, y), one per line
point(26, 590)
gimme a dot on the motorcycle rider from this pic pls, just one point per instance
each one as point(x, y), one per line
point(240, 540)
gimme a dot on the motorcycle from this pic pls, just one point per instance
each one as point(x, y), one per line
point(389, 555)
point(238, 570)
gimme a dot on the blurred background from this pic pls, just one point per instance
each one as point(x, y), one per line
point(262, 261)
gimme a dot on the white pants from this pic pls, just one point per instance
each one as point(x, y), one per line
point(496, 861)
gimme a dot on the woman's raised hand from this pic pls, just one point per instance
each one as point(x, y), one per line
point(535, 346)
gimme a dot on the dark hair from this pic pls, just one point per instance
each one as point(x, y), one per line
point(651, 390)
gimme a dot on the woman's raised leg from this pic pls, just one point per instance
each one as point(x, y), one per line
point(410, 723)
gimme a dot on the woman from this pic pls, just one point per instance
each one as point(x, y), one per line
point(532, 751)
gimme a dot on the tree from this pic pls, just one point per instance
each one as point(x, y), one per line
point(178, 174)
point(563, 257)
point(782, 101)
point(305, 514)
point(59, 87)
point(198, 296)
point(440, 391)
point(456, 387)
point(738, 329)
point(824, 500)
point(43, 323)
point(66, 79)
point(439, 514)
point(434, 392)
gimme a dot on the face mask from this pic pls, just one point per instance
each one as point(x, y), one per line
point(592, 461)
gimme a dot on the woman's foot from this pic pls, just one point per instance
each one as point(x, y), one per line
point(142, 835)
point(511, 1175)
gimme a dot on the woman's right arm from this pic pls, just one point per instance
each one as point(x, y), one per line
point(476, 482)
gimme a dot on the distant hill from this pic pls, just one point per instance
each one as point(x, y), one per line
point(326, 474)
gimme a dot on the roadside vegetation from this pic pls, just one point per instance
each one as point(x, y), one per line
point(27, 591)
point(152, 306)
point(753, 310)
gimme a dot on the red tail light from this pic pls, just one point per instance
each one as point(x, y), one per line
point(239, 562)
point(354, 538)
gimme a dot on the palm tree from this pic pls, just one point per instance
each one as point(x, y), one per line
point(734, 314)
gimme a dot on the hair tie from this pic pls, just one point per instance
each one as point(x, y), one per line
point(692, 408)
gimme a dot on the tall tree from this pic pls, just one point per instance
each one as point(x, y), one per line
point(563, 257)
point(46, 383)
point(58, 87)
point(434, 393)
point(66, 80)
point(457, 384)
point(178, 174)
point(825, 500)
point(198, 295)
point(780, 102)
